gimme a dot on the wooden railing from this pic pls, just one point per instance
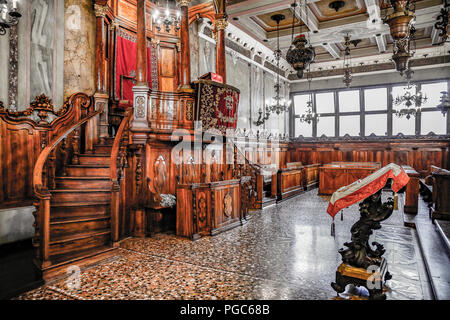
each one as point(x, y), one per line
point(118, 165)
point(44, 174)
point(23, 135)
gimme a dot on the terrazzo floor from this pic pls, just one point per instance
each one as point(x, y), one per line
point(284, 252)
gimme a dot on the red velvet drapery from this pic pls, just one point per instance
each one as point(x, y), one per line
point(126, 65)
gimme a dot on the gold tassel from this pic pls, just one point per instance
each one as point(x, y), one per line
point(396, 201)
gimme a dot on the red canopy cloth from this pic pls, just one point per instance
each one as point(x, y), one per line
point(361, 189)
point(126, 50)
point(217, 105)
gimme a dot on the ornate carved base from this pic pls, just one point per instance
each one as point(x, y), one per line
point(373, 278)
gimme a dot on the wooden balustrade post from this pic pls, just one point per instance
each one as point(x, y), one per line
point(273, 191)
point(221, 25)
point(45, 230)
point(141, 91)
point(100, 97)
point(115, 207)
point(185, 85)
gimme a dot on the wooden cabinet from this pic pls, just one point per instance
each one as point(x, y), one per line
point(335, 175)
point(208, 208)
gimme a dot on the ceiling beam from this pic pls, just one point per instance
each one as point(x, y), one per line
point(381, 42)
point(435, 38)
point(307, 17)
point(332, 49)
point(373, 9)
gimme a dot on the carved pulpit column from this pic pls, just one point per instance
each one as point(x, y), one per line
point(185, 85)
point(221, 25)
point(141, 91)
point(101, 97)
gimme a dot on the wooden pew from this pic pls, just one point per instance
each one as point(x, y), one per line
point(440, 179)
point(290, 180)
point(335, 175)
point(412, 190)
point(311, 175)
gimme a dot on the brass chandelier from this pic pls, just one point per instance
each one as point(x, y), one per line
point(166, 21)
point(347, 62)
point(412, 102)
point(278, 104)
point(400, 22)
point(8, 16)
point(299, 54)
point(309, 116)
point(442, 22)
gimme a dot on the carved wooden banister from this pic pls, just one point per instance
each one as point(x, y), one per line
point(38, 185)
point(115, 156)
point(118, 163)
point(42, 183)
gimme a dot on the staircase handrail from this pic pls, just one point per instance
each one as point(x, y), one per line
point(39, 189)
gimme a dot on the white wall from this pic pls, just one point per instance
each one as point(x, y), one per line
point(255, 83)
point(16, 224)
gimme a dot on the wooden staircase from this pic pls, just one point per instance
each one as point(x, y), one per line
point(80, 206)
point(77, 209)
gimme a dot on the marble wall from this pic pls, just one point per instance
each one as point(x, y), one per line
point(79, 47)
point(255, 83)
point(16, 224)
point(40, 55)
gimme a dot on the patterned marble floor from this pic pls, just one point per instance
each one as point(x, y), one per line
point(284, 252)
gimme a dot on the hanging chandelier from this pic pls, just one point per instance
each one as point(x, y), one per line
point(347, 63)
point(309, 116)
point(12, 12)
point(442, 22)
point(400, 22)
point(412, 102)
point(444, 106)
point(166, 21)
point(299, 55)
point(278, 104)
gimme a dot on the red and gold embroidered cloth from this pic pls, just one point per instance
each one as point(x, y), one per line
point(361, 189)
point(217, 105)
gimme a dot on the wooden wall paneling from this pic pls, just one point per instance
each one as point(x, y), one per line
point(225, 205)
point(168, 67)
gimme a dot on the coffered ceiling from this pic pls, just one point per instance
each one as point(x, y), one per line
point(325, 27)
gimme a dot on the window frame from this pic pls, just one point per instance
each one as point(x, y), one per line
point(362, 112)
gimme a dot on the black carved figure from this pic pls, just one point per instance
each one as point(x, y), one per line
point(359, 253)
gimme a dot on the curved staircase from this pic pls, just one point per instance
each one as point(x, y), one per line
point(80, 206)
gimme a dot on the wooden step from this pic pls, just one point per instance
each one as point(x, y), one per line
point(79, 241)
point(80, 258)
point(102, 148)
point(83, 183)
point(88, 170)
point(79, 209)
point(75, 224)
point(95, 158)
point(73, 195)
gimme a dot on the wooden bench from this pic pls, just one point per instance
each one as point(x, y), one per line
point(290, 180)
point(412, 190)
point(335, 175)
point(311, 175)
point(440, 179)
